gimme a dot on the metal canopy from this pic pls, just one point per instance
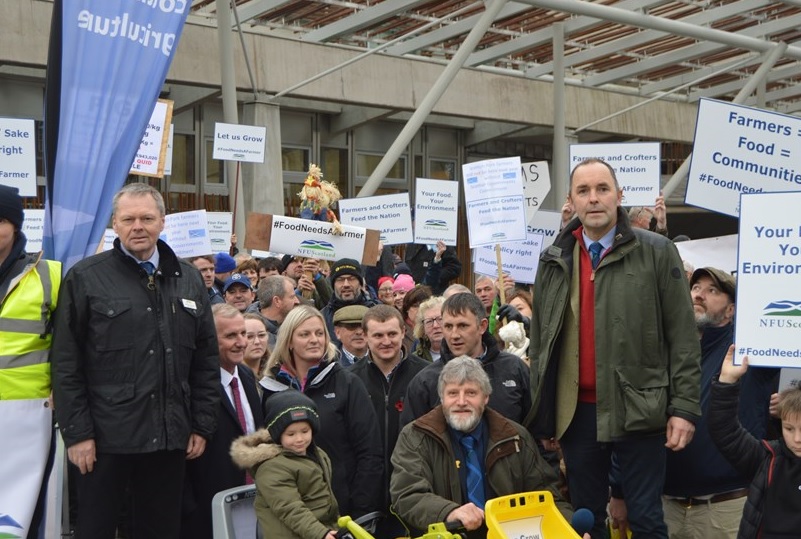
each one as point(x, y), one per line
point(642, 47)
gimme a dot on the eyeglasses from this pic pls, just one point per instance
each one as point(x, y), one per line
point(429, 322)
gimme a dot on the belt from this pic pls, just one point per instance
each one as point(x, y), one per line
point(723, 497)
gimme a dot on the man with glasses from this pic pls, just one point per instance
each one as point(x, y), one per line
point(642, 217)
point(347, 279)
point(348, 329)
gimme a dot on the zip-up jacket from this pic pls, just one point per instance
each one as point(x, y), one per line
point(348, 433)
point(134, 358)
point(426, 484)
point(647, 354)
point(509, 378)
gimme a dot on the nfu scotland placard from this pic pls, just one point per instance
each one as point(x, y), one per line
point(744, 150)
point(768, 321)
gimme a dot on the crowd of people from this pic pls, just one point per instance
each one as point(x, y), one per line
point(340, 389)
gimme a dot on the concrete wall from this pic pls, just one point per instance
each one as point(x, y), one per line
point(379, 80)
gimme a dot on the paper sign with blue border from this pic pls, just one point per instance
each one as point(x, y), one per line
point(637, 166)
point(219, 226)
point(33, 228)
point(738, 150)
point(18, 155)
point(233, 142)
point(436, 211)
point(493, 192)
point(187, 233)
point(150, 158)
point(768, 321)
point(314, 239)
point(519, 259)
point(388, 213)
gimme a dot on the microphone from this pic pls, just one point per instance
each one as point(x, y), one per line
point(583, 520)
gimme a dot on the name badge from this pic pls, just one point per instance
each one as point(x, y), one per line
point(189, 304)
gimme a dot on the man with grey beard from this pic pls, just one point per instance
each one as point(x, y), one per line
point(451, 444)
point(703, 495)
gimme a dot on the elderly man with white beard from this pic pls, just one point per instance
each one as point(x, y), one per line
point(450, 461)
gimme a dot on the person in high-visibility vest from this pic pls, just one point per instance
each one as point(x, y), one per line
point(28, 291)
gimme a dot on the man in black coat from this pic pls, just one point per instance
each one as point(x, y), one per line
point(420, 257)
point(240, 413)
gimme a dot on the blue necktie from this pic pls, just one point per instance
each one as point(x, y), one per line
point(595, 253)
point(475, 480)
point(148, 267)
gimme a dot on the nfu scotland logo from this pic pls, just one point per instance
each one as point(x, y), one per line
point(316, 247)
point(781, 314)
point(438, 224)
point(7, 523)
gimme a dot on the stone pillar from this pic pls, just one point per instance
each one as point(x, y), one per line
point(263, 183)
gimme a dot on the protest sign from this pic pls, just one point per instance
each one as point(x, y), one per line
point(33, 228)
point(220, 228)
point(187, 233)
point(314, 239)
point(547, 223)
point(495, 203)
point(233, 142)
point(768, 321)
point(536, 186)
point(18, 152)
point(738, 150)
point(151, 156)
point(519, 259)
point(388, 213)
point(720, 252)
point(436, 211)
point(637, 166)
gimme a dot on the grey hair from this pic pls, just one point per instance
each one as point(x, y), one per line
point(138, 190)
point(271, 287)
point(461, 370)
point(224, 310)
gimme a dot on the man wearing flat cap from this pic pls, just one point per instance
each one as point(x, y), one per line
point(347, 280)
point(28, 292)
point(349, 332)
point(703, 495)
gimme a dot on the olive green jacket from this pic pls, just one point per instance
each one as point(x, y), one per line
point(647, 351)
point(294, 499)
point(425, 485)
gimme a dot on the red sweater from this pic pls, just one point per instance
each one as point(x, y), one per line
point(586, 322)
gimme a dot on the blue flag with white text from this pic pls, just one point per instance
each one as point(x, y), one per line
point(107, 62)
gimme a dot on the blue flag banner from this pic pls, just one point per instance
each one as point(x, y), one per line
point(108, 61)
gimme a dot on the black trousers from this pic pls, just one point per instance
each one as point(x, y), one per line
point(155, 483)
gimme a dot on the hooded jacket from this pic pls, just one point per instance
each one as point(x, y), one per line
point(348, 433)
point(509, 377)
point(646, 347)
point(294, 499)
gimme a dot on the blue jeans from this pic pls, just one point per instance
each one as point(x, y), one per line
point(641, 469)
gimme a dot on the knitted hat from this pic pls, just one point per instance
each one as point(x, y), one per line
point(346, 266)
point(11, 205)
point(403, 283)
point(384, 279)
point(223, 263)
point(287, 407)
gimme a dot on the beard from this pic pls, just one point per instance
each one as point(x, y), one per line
point(708, 320)
point(463, 424)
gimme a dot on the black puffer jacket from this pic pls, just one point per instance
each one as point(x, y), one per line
point(509, 377)
point(759, 459)
point(348, 433)
point(134, 369)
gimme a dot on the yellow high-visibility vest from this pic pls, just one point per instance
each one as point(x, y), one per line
point(25, 331)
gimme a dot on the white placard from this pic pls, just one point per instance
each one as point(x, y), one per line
point(789, 377)
point(720, 252)
point(316, 239)
point(148, 160)
point(536, 186)
point(637, 167)
point(390, 214)
point(108, 239)
point(18, 155)
point(187, 233)
point(219, 227)
point(768, 321)
point(493, 191)
point(548, 223)
point(168, 156)
point(519, 259)
point(436, 211)
point(33, 228)
point(740, 149)
point(233, 142)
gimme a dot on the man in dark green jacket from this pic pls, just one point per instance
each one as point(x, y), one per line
point(430, 479)
point(614, 353)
